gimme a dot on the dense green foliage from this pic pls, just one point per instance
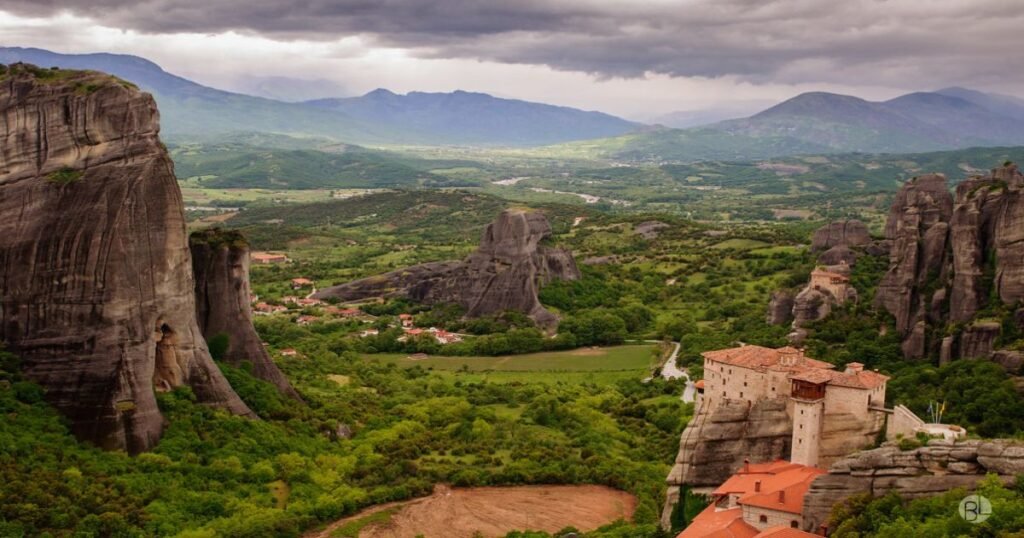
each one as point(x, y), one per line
point(214, 474)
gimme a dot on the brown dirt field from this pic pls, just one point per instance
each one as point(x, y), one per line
point(495, 511)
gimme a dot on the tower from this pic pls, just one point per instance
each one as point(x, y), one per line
point(808, 412)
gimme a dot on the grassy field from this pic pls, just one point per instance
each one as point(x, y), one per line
point(629, 360)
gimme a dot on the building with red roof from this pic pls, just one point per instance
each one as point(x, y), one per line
point(818, 396)
point(759, 501)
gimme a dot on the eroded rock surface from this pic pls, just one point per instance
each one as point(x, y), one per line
point(504, 273)
point(846, 233)
point(714, 445)
point(780, 308)
point(951, 257)
point(917, 226)
point(97, 286)
point(220, 261)
point(926, 471)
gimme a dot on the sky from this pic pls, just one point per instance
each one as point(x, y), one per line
point(635, 58)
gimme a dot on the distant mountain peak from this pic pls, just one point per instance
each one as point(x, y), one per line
point(380, 92)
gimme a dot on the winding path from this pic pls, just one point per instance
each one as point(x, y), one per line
point(670, 370)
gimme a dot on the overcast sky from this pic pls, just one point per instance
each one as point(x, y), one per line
point(636, 58)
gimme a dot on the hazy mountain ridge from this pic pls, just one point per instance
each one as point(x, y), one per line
point(471, 117)
point(820, 122)
point(190, 109)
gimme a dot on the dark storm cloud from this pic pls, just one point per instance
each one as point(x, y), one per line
point(853, 42)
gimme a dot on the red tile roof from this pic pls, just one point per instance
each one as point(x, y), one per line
point(714, 523)
point(858, 380)
point(761, 358)
point(791, 479)
point(784, 532)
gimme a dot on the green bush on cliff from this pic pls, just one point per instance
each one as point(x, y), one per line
point(65, 176)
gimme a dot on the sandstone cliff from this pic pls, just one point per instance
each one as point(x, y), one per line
point(220, 261)
point(936, 468)
point(97, 291)
point(951, 258)
point(504, 273)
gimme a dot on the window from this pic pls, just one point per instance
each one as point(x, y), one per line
point(741, 395)
point(794, 524)
point(763, 519)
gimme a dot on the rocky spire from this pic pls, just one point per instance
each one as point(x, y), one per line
point(95, 271)
point(220, 259)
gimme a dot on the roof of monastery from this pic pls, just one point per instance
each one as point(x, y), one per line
point(757, 485)
point(762, 358)
point(865, 379)
point(800, 366)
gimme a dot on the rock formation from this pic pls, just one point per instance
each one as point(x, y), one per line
point(978, 340)
point(780, 308)
point(97, 290)
point(714, 445)
point(504, 273)
point(838, 243)
point(220, 261)
point(948, 257)
point(929, 470)
point(918, 224)
point(846, 233)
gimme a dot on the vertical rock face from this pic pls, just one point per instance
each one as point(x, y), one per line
point(921, 472)
point(844, 233)
point(780, 308)
point(220, 261)
point(948, 257)
point(917, 226)
point(504, 273)
point(97, 292)
point(978, 340)
point(714, 445)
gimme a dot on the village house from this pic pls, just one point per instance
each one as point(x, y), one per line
point(265, 308)
point(760, 501)
point(445, 337)
point(343, 312)
point(818, 397)
point(299, 283)
point(410, 333)
point(406, 320)
point(369, 332)
point(289, 352)
point(306, 320)
point(308, 302)
point(263, 258)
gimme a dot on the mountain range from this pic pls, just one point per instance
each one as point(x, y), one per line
point(470, 117)
point(195, 111)
point(814, 122)
point(819, 122)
